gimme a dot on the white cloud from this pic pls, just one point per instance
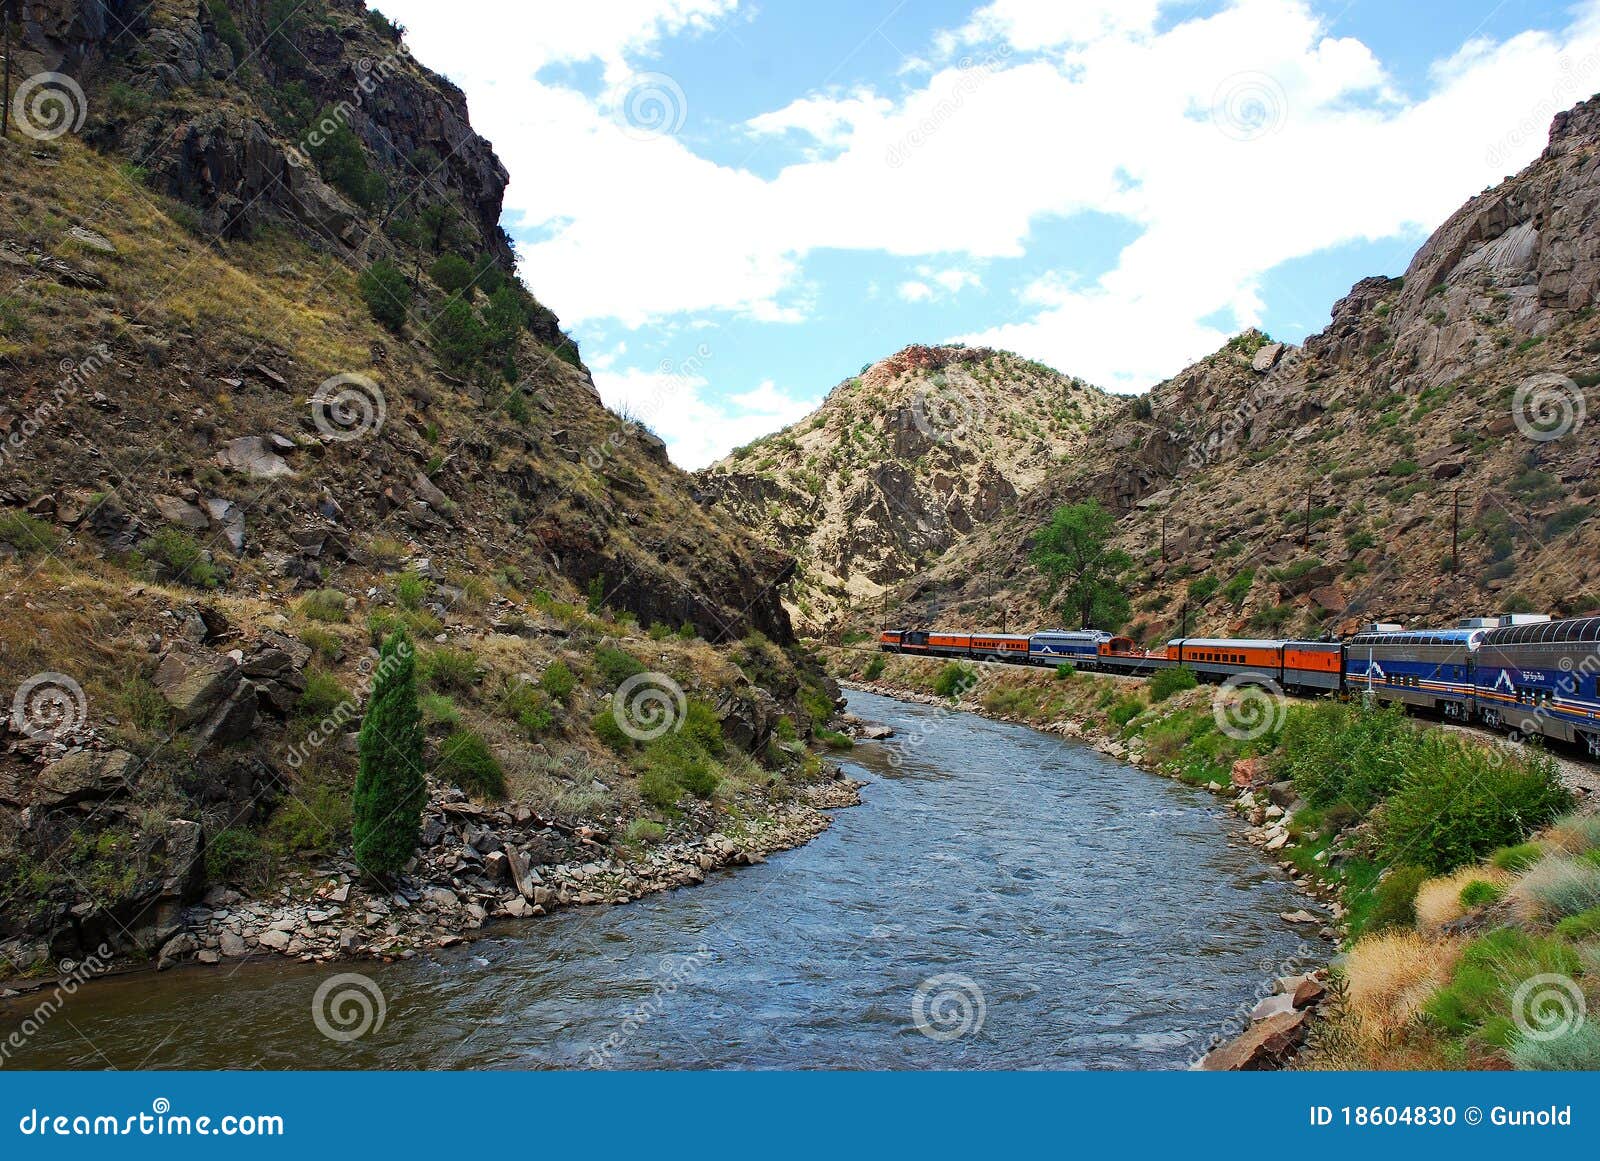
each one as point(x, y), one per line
point(1234, 141)
point(914, 291)
point(698, 430)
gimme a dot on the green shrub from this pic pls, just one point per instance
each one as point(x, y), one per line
point(1125, 710)
point(955, 680)
point(610, 731)
point(1459, 801)
point(557, 681)
point(439, 710)
point(236, 855)
point(597, 593)
point(616, 665)
point(1346, 753)
point(683, 762)
point(1395, 901)
point(323, 694)
point(659, 789)
point(875, 667)
point(1238, 587)
point(466, 760)
point(1202, 588)
point(1575, 1050)
point(1585, 925)
point(324, 645)
point(1481, 893)
point(1517, 858)
point(1476, 1003)
point(386, 290)
point(1065, 670)
point(314, 818)
point(449, 670)
point(702, 727)
point(323, 605)
point(528, 706)
point(1170, 681)
point(1562, 886)
point(834, 740)
point(451, 273)
point(181, 557)
point(410, 590)
point(343, 162)
point(27, 534)
point(644, 832)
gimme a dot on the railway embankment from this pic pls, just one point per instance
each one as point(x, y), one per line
point(1459, 873)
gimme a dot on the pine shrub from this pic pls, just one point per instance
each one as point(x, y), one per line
point(390, 787)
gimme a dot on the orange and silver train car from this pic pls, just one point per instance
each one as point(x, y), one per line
point(1310, 665)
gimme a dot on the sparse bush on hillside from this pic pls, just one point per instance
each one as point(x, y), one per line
point(955, 680)
point(466, 760)
point(180, 558)
point(387, 292)
point(616, 665)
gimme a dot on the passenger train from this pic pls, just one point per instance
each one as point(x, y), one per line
point(1522, 672)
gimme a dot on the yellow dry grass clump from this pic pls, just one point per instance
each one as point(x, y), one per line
point(1391, 976)
point(1439, 900)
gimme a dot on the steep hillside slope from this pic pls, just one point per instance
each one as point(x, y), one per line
point(1428, 455)
point(901, 463)
point(271, 391)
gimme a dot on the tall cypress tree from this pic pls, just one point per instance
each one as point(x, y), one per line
point(390, 788)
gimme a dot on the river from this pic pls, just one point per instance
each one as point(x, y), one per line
point(1002, 899)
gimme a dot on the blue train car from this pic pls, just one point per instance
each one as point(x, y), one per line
point(1429, 668)
point(1540, 678)
point(1053, 646)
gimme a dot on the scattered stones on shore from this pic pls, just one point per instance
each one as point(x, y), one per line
point(480, 864)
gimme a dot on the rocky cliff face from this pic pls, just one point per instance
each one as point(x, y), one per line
point(271, 393)
point(1424, 457)
point(900, 464)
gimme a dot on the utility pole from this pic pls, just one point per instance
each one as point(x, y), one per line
point(1305, 537)
point(1183, 624)
point(1163, 534)
point(1455, 532)
point(1004, 615)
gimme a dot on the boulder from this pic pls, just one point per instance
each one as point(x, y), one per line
point(228, 518)
point(178, 511)
point(1265, 1045)
point(194, 684)
point(1267, 357)
point(250, 456)
point(231, 944)
point(84, 777)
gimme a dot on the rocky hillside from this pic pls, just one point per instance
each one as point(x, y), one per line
point(900, 464)
point(1426, 456)
point(272, 390)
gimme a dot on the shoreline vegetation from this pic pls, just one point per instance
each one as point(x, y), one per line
point(1459, 872)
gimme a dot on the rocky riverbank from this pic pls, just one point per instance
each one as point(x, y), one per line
point(479, 866)
point(1274, 1027)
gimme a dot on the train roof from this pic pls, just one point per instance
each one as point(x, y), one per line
point(1000, 636)
point(1226, 643)
point(1541, 632)
point(1471, 638)
point(1076, 634)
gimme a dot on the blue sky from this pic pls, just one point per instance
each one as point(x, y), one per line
point(735, 205)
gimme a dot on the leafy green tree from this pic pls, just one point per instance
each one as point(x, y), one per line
point(452, 273)
point(387, 293)
point(459, 338)
point(503, 318)
point(390, 788)
point(1074, 555)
